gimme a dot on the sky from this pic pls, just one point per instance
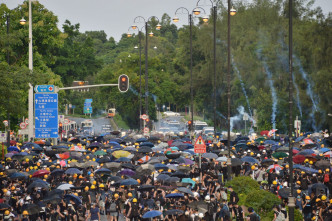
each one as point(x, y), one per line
point(116, 16)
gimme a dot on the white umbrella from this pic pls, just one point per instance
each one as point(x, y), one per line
point(65, 186)
point(222, 159)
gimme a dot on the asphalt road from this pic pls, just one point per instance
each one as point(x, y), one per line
point(98, 123)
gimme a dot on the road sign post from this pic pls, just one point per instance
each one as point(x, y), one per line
point(46, 115)
point(200, 148)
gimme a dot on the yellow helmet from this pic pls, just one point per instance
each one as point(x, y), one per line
point(311, 162)
point(27, 160)
point(116, 195)
point(86, 188)
point(38, 164)
point(75, 175)
point(298, 191)
point(45, 176)
point(134, 200)
point(7, 212)
point(306, 160)
point(287, 166)
point(5, 190)
point(94, 182)
point(93, 187)
point(319, 171)
point(91, 174)
point(274, 182)
point(70, 182)
point(80, 177)
point(307, 197)
point(138, 180)
point(298, 182)
point(130, 194)
point(101, 185)
point(25, 213)
point(318, 199)
point(323, 197)
point(87, 157)
point(253, 167)
point(76, 194)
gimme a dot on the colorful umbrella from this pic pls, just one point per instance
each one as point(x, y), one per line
point(120, 153)
point(144, 159)
point(275, 167)
point(40, 173)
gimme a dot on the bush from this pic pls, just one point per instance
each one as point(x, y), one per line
point(243, 185)
point(262, 201)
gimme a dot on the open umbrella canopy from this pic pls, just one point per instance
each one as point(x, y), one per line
point(123, 159)
point(65, 186)
point(162, 177)
point(236, 162)
point(306, 152)
point(129, 182)
point(322, 164)
point(31, 208)
point(13, 148)
point(152, 214)
point(120, 153)
point(279, 155)
point(18, 175)
point(248, 159)
point(100, 153)
point(146, 188)
point(160, 166)
point(149, 144)
point(74, 198)
point(73, 171)
point(40, 173)
point(185, 190)
point(298, 159)
point(210, 155)
point(38, 184)
point(173, 212)
point(144, 149)
point(127, 172)
point(274, 167)
point(174, 195)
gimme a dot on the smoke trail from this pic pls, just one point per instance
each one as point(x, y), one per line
point(134, 91)
point(239, 117)
point(221, 115)
point(242, 84)
point(308, 91)
point(283, 58)
point(273, 91)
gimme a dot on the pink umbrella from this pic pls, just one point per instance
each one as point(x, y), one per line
point(62, 163)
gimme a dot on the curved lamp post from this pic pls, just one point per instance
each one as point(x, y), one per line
point(139, 19)
point(195, 11)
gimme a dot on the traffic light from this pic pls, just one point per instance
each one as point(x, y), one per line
point(60, 128)
point(123, 83)
point(190, 125)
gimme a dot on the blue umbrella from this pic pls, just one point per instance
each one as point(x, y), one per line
point(129, 182)
point(29, 145)
point(113, 143)
point(272, 142)
point(306, 152)
point(123, 159)
point(103, 170)
point(140, 140)
point(72, 171)
point(74, 198)
point(249, 159)
point(152, 214)
point(17, 175)
point(149, 144)
point(323, 150)
point(13, 148)
point(190, 151)
point(299, 139)
point(174, 195)
point(160, 166)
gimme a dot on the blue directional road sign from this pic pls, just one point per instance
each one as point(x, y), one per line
point(46, 115)
point(44, 89)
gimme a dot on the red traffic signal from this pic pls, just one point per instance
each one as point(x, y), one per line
point(123, 83)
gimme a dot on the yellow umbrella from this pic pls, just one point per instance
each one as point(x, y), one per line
point(120, 153)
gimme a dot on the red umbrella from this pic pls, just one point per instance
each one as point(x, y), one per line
point(63, 156)
point(295, 151)
point(298, 159)
point(261, 147)
point(264, 132)
point(40, 173)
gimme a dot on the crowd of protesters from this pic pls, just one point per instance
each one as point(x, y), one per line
point(111, 178)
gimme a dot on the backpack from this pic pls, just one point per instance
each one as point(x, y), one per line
point(113, 207)
point(280, 216)
point(258, 218)
point(326, 178)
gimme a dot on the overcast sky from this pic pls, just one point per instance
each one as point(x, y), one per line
point(116, 16)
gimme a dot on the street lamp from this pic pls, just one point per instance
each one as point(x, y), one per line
point(134, 26)
point(195, 11)
point(291, 199)
point(30, 99)
point(230, 12)
point(140, 72)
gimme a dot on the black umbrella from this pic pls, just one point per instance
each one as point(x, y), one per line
point(179, 174)
point(55, 192)
point(31, 208)
point(144, 149)
point(267, 162)
point(284, 193)
point(146, 188)
point(173, 212)
point(129, 166)
point(200, 205)
point(322, 164)
point(185, 190)
point(236, 162)
point(4, 206)
point(114, 178)
point(173, 155)
point(55, 199)
point(37, 184)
